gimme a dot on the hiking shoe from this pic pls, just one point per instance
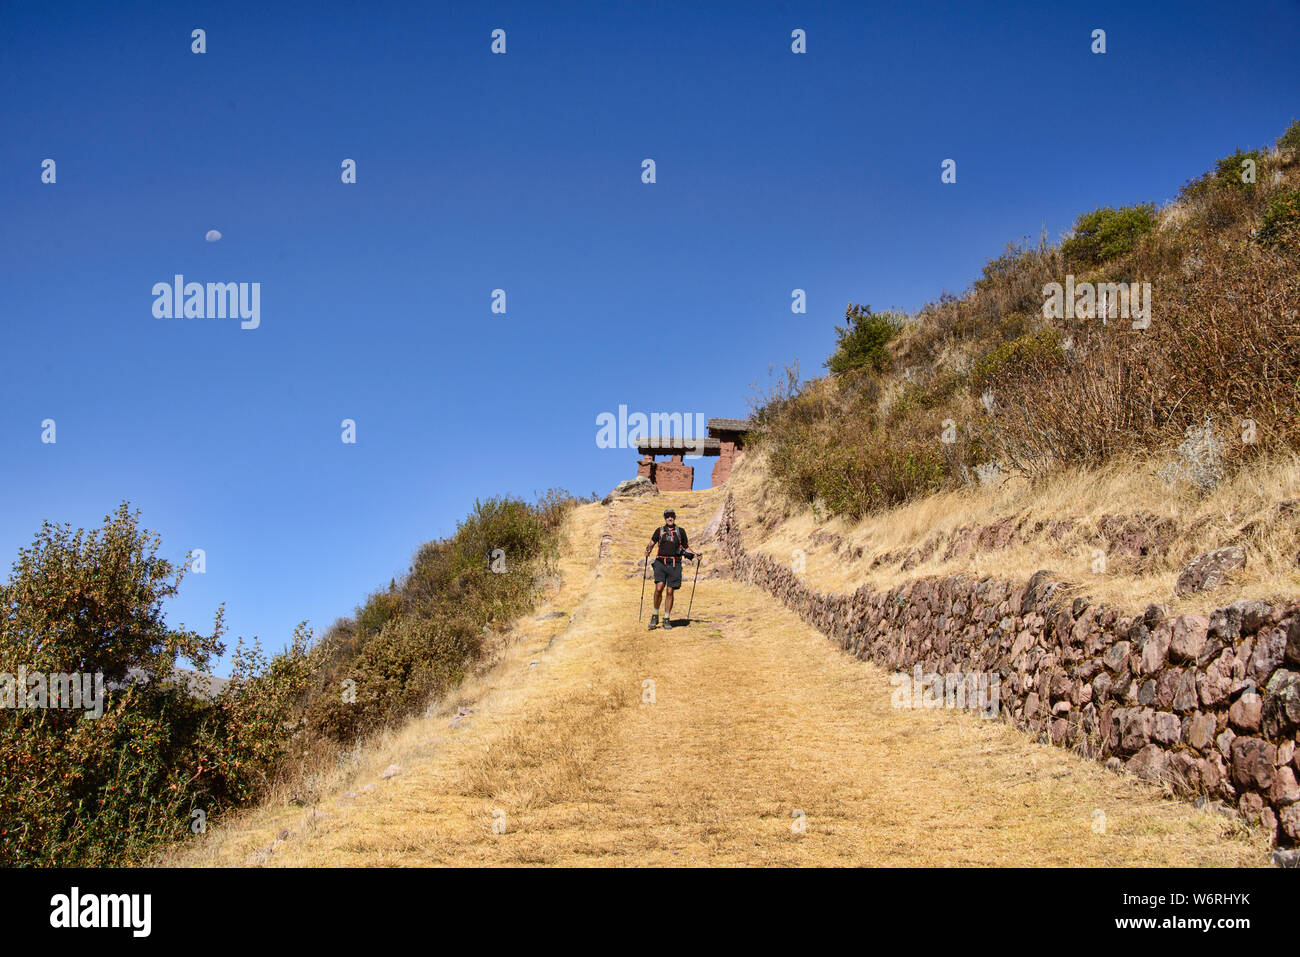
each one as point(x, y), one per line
point(654, 622)
point(668, 623)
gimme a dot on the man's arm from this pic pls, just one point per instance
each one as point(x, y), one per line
point(690, 555)
point(653, 538)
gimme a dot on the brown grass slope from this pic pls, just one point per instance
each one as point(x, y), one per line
point(1116, 533)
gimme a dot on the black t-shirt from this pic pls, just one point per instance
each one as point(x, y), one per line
point(672, 541)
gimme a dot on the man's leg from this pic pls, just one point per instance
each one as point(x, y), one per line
point(672, 581)
point(658, 597)
point(659, 594)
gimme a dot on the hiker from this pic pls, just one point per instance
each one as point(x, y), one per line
point(668, 566)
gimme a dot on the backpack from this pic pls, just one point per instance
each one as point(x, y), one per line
point(669, 536)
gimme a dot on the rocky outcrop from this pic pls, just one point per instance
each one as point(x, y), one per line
point(1209, 704)
point(632, 488)
point(1209, 571)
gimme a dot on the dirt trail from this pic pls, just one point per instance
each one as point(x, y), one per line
point(744, 739)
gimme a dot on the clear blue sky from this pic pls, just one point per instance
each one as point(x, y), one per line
point(775, 171)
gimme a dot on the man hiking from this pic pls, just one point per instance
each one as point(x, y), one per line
point(668, 566)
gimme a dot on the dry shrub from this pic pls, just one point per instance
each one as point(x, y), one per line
point(1223, 344)
point(1078, 410)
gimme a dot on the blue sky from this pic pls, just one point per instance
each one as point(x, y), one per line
point(475, 171)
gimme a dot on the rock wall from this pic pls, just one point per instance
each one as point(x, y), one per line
point(1210, 704)
point(674, 475)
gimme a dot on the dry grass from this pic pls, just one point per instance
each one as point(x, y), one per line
point(1242, 511)
point(756, 719)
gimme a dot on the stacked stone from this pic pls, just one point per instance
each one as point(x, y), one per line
point(1208, 704)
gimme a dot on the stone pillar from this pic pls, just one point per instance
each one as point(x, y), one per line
point(730, 449)
point(674, 475)
point(726, 458)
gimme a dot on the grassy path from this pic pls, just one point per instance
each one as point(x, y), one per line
point(744, 739)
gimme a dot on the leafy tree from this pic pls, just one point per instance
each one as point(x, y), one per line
point(79, 601)
point(1228, 171)
point(91, 791)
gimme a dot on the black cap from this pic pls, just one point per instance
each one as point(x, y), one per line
point(669, 511)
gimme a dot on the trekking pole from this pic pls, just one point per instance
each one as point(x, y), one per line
point(644, 573)
point(691, 603)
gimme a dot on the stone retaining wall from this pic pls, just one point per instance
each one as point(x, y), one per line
point(1210, 704)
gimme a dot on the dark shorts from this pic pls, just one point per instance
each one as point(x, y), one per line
point(670, 575)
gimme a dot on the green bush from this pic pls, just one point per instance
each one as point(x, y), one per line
point(418, 638)
point(826, 446)
point(1228, 171)
point(861, 342)
point(1108, 233)
point(1030, 353)
point(854, 479)
point(1225, 180)
point(1281, 222)
point(397, 672)
point(1013, 325)
point(914, 398)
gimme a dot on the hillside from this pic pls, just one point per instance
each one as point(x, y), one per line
point(1081, 473)
point(1063, 478)
point(745, 738)
point(1161, 345)
point(1078, 482)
